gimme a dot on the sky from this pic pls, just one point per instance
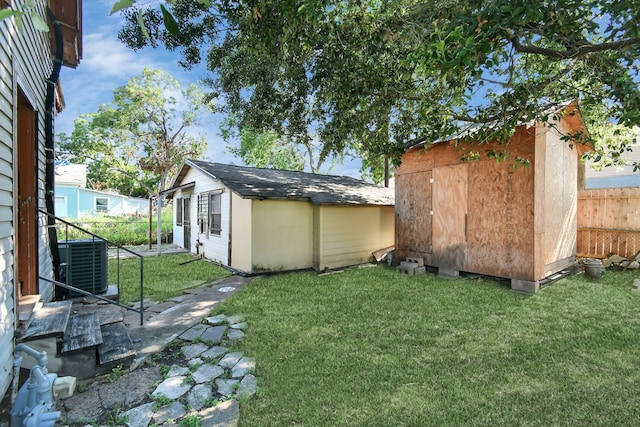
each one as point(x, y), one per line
point(107, 64)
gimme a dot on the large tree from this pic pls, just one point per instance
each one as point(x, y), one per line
point(376, 74)
point(141, 137)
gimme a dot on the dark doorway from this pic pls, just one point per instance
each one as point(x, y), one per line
point(26, 232)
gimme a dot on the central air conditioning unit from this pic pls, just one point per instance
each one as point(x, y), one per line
point(83, 264)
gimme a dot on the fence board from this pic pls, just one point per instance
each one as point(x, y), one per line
point(609, 222)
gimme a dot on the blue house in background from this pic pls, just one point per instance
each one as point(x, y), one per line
point(74, 200)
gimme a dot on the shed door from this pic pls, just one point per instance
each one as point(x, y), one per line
point(450, 196)
point(413, 212)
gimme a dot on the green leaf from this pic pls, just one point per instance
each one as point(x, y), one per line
point(121, 4)
point(205, 2)
point(169, 21)
point(39, 23)
point(7, 13)
point(143, 28)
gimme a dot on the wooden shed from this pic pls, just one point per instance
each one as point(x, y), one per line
point(258, 220)
point(489, 217)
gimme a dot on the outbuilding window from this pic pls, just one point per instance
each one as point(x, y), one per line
point(179, 212)
point(203, 210)
point(215, 213)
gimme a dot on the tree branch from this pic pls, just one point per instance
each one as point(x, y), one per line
point(576, 52)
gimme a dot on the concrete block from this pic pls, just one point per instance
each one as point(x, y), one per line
point(407, 264)
point(525, 286)
point(406, 269)
point(420, 270)
point(448, 273)
point(416, 260)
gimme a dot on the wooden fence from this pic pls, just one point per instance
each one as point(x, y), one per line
point(609, 222)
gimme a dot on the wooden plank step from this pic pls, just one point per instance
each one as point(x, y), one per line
point(27, 305)
point(117, 347)
point(49, 321)
point(83, 331)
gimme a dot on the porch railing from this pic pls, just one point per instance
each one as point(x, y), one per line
point(114, 251)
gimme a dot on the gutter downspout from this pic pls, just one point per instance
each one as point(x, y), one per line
point(50, 144)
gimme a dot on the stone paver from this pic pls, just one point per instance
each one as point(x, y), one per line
point(174, 411)
point(207, 372)
point(195, 362)
point(214, 334)
point(248, 386)
point(172, 388)
point(193, 332)
point(194, 350)
point(243, 367)
point(235, 334)
point(140, 416)
point(241, 325)
point(176, 371)
point(214, 352)
point(230, 359)
point(199, 395)
point(225, 414)
point(232, 320)
point(226, 387)
point(230, 378)
point(217, 320)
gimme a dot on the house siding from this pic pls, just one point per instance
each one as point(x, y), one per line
point(282, 233)
point(25, 63)
point(214, 247)
point(347, 235)
point(241, 230)
point(7, 310)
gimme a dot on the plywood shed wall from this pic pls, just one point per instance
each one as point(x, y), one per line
point(487, 217)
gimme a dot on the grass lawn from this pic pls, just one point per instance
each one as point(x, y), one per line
point(372, 347)
point(165, 276)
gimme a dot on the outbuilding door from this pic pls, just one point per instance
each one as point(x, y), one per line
point(413, 213)
point(450, 200)
point(26, 232)
point(186, 225)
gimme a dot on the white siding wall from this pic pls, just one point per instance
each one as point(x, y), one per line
point(214, 247)
point(7, 313)
point(24, 62)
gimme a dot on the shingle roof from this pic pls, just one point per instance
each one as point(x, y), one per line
point(251, 182)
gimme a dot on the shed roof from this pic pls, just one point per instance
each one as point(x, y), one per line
point(249, 182)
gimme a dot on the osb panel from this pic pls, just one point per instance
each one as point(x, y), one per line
point(500, 222)
point(413, 214)
point(559, 204)
point(450, 197)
